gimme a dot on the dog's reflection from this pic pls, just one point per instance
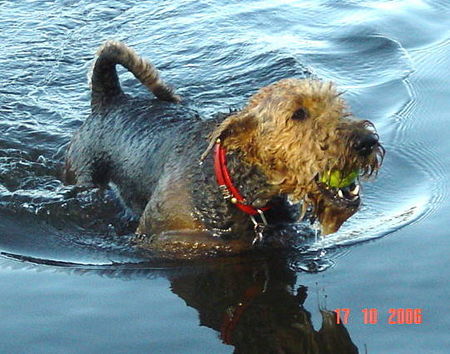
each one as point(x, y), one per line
point(254, 307)
point(251, 302)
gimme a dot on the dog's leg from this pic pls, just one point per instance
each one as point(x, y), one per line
point(170, 227)
point(83, 168)
point(170, 206)
point(80, 182)
point(105, 82)
point(189, 244)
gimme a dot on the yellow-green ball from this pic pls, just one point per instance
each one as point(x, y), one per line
point(336, 179)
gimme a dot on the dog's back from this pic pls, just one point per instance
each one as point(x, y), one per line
point(128, 141)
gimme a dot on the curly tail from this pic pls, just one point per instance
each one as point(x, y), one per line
point(105, 82)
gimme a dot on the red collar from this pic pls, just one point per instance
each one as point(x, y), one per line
point(226, 184)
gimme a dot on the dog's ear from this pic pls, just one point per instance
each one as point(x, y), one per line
point(235, 128)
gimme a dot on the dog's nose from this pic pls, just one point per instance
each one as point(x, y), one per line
point(365, 143)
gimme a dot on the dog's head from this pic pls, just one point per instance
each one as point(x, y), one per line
point(301, 135)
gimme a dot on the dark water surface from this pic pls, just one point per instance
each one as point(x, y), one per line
point(69, 284)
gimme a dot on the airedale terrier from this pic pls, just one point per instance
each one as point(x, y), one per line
point(211, 186)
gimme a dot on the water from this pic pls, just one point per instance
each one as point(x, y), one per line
point(70, 284)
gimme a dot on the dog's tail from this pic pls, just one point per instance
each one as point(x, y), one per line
point(105, 82)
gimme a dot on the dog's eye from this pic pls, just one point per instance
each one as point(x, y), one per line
point(300, 114)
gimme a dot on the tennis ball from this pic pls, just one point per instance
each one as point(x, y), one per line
point(337, 179)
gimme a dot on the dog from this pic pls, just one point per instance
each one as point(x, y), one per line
point(213, 186)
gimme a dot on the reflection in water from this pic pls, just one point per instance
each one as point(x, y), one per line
point(254, 307)
point(251, 303)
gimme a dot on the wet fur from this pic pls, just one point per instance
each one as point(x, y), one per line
point(151, 150)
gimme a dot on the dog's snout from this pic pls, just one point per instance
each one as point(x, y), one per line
point(365, 143)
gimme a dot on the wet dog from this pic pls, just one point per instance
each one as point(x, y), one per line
point(212, 186)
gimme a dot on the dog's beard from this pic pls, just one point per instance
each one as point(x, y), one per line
point(334, 204)
point(331, 215)
point(332, 201)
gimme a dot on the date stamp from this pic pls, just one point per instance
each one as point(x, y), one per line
point(399, 316)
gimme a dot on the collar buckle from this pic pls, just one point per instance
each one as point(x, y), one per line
point(258, 227)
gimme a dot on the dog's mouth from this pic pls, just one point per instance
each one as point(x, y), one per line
point(338, 198)
point(341, 189)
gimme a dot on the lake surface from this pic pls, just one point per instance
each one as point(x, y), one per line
point(70, 284)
